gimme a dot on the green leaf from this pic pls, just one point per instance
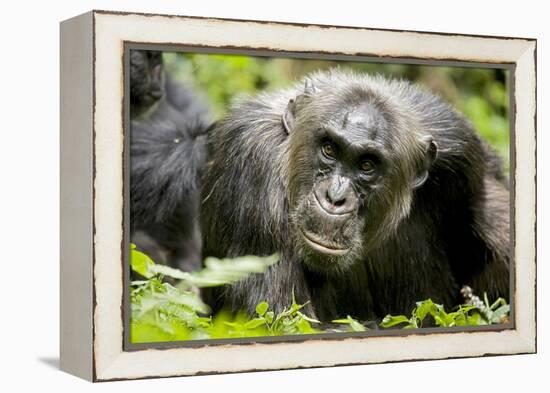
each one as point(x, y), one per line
point(476, 319)
point(500, 313)
point(185, 298)
point(486, 300)
point(461, 319)
point(390, 320)
point(443, 319)
point(139, 283)
point(309, 319)
point(467, 309)
point(254, 323)
point(499, 302)
point(304, 327)
point(141, 263)
point(357, 327)
point(223, 271)
point(353, 324)
point(261, 308)
point(170, 272)
point(345, 321)
point(269, 316)
point(424, 308)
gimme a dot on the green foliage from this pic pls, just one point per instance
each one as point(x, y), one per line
point(353, 325)
point(465, 315)
point(217, 271)
point(161, 311)
point(225, 77)
point(266, 323)
point(140, 262)
point(165, 312)
point(169, 314)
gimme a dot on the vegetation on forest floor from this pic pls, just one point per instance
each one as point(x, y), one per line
point(161, 311)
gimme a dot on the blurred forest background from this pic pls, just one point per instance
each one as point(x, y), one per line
point(480, 93)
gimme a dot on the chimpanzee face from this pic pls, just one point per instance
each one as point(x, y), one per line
point(146, 79)
point(351, 177)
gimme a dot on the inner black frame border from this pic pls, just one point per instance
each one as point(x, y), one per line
point(265, 52)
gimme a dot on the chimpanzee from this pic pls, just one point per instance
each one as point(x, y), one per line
point(375, 194)
point(146, 81)
point(167, 152)
point(156, 96)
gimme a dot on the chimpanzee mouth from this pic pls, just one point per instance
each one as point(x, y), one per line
point(156, 94)
point(322, 245)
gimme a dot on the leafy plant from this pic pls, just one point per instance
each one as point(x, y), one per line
point(165, 312)
point(353, 325)
point(266, 323)
point(465, 315)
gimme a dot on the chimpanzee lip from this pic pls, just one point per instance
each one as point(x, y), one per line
point(322, 245)
point(156, 93)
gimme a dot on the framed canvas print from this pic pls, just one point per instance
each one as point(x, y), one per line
point(245, 195)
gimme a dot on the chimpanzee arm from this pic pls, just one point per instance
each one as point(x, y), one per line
point(491, 225)
point(276, 287)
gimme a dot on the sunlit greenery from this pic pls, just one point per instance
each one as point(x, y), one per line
point(164, 312)
point(464, 315)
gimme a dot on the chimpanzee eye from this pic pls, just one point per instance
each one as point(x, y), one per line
point(328, 150)
point(367, 166)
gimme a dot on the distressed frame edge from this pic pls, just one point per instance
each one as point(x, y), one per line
point(525, 179)
point(305, 25)
point(527, 340)
point(76, 196)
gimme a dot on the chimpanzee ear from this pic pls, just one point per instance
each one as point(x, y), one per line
point(430, 155)
point(289, 116)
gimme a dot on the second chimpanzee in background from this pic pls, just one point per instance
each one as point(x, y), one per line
point(168, 128)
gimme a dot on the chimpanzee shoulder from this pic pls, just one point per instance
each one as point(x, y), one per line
point(165, 164)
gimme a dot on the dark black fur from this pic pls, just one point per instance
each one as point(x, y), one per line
point(431, 217)
point(154, 95)
point(146, 81)
point(167, 153)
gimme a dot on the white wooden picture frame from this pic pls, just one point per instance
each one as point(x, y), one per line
point(92, 195)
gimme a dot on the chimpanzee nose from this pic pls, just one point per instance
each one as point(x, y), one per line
point(337, 195)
